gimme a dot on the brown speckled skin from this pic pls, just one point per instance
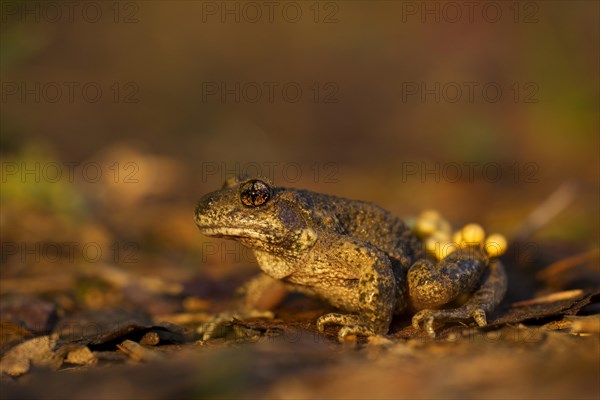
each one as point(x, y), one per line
point(354, 254)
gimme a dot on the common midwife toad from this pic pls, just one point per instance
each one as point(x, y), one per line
point(363, 260)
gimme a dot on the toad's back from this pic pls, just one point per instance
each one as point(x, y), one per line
point(361, 220)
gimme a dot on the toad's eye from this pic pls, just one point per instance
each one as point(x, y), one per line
point(255, 193)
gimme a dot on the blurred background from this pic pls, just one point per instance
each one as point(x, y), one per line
point(117, 116)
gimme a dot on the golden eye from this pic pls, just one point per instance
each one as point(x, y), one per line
point(255, 193)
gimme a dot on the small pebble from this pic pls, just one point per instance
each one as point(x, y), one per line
point(150, 339)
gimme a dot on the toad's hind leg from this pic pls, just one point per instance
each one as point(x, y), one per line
point(432, 286)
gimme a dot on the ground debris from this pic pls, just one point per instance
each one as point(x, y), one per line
point(121, 278)
point(81, 356)
point(553, 305)
point(39, 351)
point(585, 324)
point(28, 311)
point(105, 329)
point(12, 333)
point(137, 352)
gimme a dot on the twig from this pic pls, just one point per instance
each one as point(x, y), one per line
point(567, 263)
point(545, 212)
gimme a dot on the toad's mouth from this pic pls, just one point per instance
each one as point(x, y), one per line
point(224, 232)
point(209, 227)
point(238, 233)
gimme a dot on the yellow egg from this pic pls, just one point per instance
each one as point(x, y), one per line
point(444, 249)
point(430, 221)
point(431, 244)
point(431, 215)
point(495, 245)
point(473, 234)
point(444, 226)
point(441, 236)
point(425, 227)
point(457, 238)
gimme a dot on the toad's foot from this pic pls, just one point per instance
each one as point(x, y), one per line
point(217, 325)
point(482, 301)
point(350, 325)
point(424, 319)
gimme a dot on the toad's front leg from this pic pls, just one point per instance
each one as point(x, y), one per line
point(374, 300)
point(253, 300)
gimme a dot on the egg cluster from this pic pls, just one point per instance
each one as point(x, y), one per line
point(440, 241)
